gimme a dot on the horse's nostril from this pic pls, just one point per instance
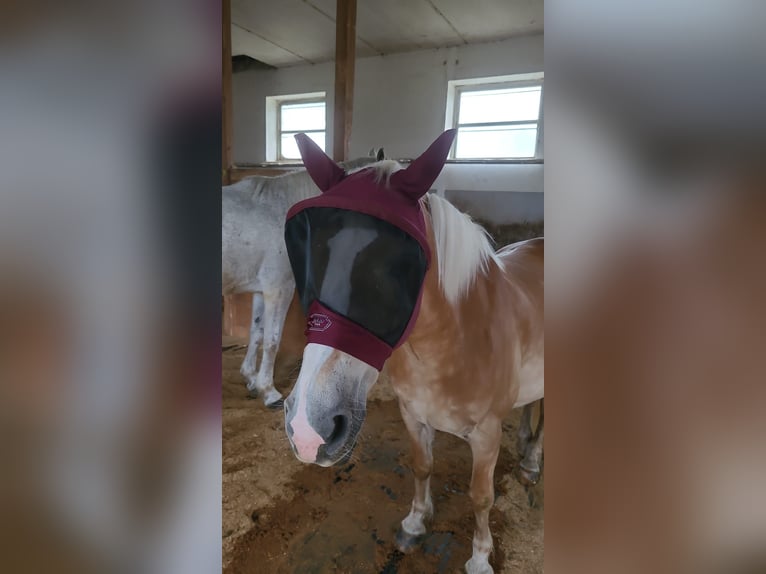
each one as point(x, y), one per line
point(340, 425)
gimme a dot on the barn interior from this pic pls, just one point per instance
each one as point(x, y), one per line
point(393, 75)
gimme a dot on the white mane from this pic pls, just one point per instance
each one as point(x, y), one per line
point(383, 170)
point(463, 248)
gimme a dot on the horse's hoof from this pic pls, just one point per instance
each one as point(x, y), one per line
point(406, 542)
point(528, 477)
point(276, 405)
point(253, 394)
point(478, 566)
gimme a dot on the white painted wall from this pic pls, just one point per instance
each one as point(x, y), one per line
point(399, 104)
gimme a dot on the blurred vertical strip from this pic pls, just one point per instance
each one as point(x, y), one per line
point(110, 173)
point(655, 281)
point(226, 91)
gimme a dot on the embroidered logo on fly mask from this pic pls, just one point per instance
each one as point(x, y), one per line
point(319, 322)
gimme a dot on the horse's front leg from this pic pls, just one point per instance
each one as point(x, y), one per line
point(529, 468)
point(525, 429)
point(276, 303)
point(413, 528)
point(485, 446)
point(249, 367)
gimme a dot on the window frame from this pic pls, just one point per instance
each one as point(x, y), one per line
point(280, 132)
point(457, 88)
point(273, 134)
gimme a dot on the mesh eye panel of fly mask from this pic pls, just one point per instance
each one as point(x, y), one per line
point(359, 251)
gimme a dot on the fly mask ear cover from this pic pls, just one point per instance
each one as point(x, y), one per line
point(359, 252)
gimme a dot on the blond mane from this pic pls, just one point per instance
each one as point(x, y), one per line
point(463, 248)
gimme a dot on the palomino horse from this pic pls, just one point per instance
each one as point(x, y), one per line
point(471, 353)
point(254, 261)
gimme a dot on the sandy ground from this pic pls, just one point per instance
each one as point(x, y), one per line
point(281, 516)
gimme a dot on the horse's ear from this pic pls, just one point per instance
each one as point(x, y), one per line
point(381, 155)
point(417, 179)
point(324, 171)
point(372, 152)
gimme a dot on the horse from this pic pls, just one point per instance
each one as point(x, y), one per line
point(253, 260)
point(475, 352)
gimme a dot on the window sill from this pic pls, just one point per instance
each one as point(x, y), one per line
point(270, 164)
point(294, 164)
point(531, 160)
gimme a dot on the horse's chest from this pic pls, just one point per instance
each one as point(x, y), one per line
point(531, 380)
point(430, 405)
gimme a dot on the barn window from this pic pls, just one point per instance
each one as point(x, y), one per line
point(289, 115)
point(497, 118)
point(297, 117)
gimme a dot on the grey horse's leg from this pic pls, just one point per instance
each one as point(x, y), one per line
point(529, 468)
point(249, 367)
point(525, 429)
point(276, 304)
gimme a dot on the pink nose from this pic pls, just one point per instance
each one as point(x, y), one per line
point(307, 447)
point(306, 440)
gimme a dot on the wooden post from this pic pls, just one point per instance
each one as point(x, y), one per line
point(345, 58)
point(226, 128)
point(237, 314)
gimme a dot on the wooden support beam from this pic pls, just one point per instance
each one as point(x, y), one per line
point(345, 59)
point(237, 314)
point(226, 105)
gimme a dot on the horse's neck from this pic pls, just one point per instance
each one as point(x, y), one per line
point(444, 331)
point(462, 354)
point(276, 194)
point(434, 335)
point(356, 163)
point(295, 187)
point(434, 326)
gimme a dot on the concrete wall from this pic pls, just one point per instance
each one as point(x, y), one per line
point(499, 207)
point(399, 104)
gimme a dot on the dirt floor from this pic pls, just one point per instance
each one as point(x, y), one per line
point(282, 516)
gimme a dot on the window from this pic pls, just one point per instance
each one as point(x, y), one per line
point(290, 115)
point(497, 118)
point(294, 118)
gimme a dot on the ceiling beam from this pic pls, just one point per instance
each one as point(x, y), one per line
point(345, 60)
point(226, 104)
point(273, 43)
